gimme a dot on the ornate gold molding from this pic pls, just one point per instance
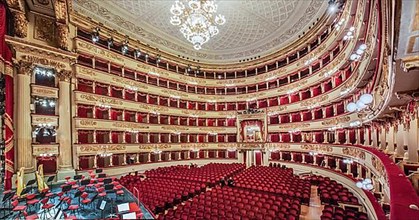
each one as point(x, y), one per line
point(43, 91)
point(37, 150)
point(409, 63)
point(317, 147)
point(65, 75)
point(336, 121)
point(42, 119)
point(62, 35)
point(354, 152)
point(20, 23)
point(24, 67)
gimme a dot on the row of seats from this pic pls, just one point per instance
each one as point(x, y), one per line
point(209, 174)
point(159, 194)
point(235, 203)
point(337, 213)
point(275, 180)
point(332, 192)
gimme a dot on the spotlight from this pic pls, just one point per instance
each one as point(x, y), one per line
point(110, 42)
point(189, 68)
point(137, 53)
point(124, 48)
point(158, 58)
point(95, 35)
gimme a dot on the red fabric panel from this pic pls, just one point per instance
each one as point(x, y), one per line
point(305, 94)
point(82, 137)
point(84, 163)
point(338, 81)
point(284, 100)
point(285, 118)
point(49, 164)
point(221, 122)
point(241, 106)
point(258, 158)
point(191, 105)
point(263, 103)
point(316, 91)
point(296, 117)
point(210, 122)
point(318, 113)
point(273, 102)
point(210, 106)
point(327, 86)
point(231, 154)
point(295, 97)
point(231, 106)
point(340, 108)
point(307, 116)
point(231, 122)
point(221, 138)
point(220, 107)
point(329, 111)
point(232, 138)
point(274, 137)
point(273, 119)
point(221, 154)
point(285, 137)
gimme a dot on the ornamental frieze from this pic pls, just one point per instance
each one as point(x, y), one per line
point(195, 145)
point(194, 112)
point(101, 52)
point(88, 123)
point(129, 82)
point(146, 147)
point(41, 119)
point(336, 121)
point(278, 146)
point(129, 125)
point(354, 152)
point(85, 71)
point(175, 128)
point(212, 129)
point(37, 150)
point(44, 61)
point(42, 91)
point(102, 100)
point(378, 165)
point(230, 81)
point(316, 147)
point(275, 110)
point(315, 101)
point(294, 126)
point(96, 148)
point(226, 145)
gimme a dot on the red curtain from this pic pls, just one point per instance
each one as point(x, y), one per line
point(6, 61)
point(329, 111)
point(296, 117)
point(191, 105)
point(285, 137)
point(231, 106)
point(307, 116)
point(316, 91)
point(338, 81)
point(130, 95)
point(262, 103)
point(231, 154)
point(274, 137)
point(231, 122)
point(85, 86)
point(49, 164)
point(221, 138)
point(152, 99)
point(305, 94)
point(221, 122)
point(221, 107)
point(210, 122)
point(142, 97)
point(241, 106)
point(83, 110)
point(318, 113)
point(84, 163)
point(221, 154)
point(327, 86)
point(284, 100)
point(285, 118)
point(83, 137)
point(340, 108)
point(163, 101)
point(295, 97)
point(273, 119)
point(273, 102)
point(210, 106)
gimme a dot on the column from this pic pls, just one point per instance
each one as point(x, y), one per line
point(337, 164)
point(348, 168)
point(347, 131)
point(216, 154)
point(149, 157)
point(124, 162)
point(227, 154)
point(326, 161)
point(390, 140)
point(137, 158)
point(383, 142)
point(325, 137)
point(292, 157)
point(159, 157)
point(374, 137)
point(170, 156)
point(280, 155)
point(314, 160)
point(95, 162)
point(179, 155)
point(111, 160)
point(206, 154)
point(367, 141)
point(303, 156)
point(336, 137)
point(359, 170)
point(358, 136)
point(188, 155)
point(23, 118)
point(399, 140)
point(413, 141)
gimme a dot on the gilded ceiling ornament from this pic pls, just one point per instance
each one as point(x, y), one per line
point(62, 36)
point(65, 75)
point(44, 29)
point(25, 67)
point(21, 24)
point(60, 11)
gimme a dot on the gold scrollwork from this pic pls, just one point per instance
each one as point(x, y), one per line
point(335, 121)
point(21, 24)
point(88, 123)
point(316, 147)
point(65, 75)
point(354, 152)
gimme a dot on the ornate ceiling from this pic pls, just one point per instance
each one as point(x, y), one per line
point(253, 28)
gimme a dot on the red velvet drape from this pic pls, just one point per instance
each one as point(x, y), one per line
point(6, 68)
point(258, 158)
point(49, 163)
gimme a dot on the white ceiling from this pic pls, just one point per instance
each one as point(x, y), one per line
point(253, 27)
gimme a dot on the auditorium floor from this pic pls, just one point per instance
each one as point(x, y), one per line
point(314, 211)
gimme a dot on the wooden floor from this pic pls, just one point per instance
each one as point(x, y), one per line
point(313, 211)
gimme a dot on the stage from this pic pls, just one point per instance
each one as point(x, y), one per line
point(75, 199)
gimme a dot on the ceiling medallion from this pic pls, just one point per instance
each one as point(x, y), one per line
point(196, 20)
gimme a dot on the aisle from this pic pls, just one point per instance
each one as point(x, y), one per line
point(313, 211)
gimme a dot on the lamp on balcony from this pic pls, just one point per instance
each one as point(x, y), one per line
point(363, 103)
point(365, 184)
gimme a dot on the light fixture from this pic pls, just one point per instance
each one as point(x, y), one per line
point(365, 184)
point(46, 129)
point(196, 20)
point(347, 161)
point(358, 53)
point(158, 58)
point(95, 35)
point(44, 71)
point(355, 123)
point(295, 131)
point(312, 153)
point(110, 42)
point(364, 102)
point(157, 151)
point(339, 24)
point(137, 53)
point(350, 34)
point(45, 102)
point(124, 47)
point(104, 106)
point(46, 155)
point(309, 61)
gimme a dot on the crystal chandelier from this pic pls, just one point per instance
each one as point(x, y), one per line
point(196, 20)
